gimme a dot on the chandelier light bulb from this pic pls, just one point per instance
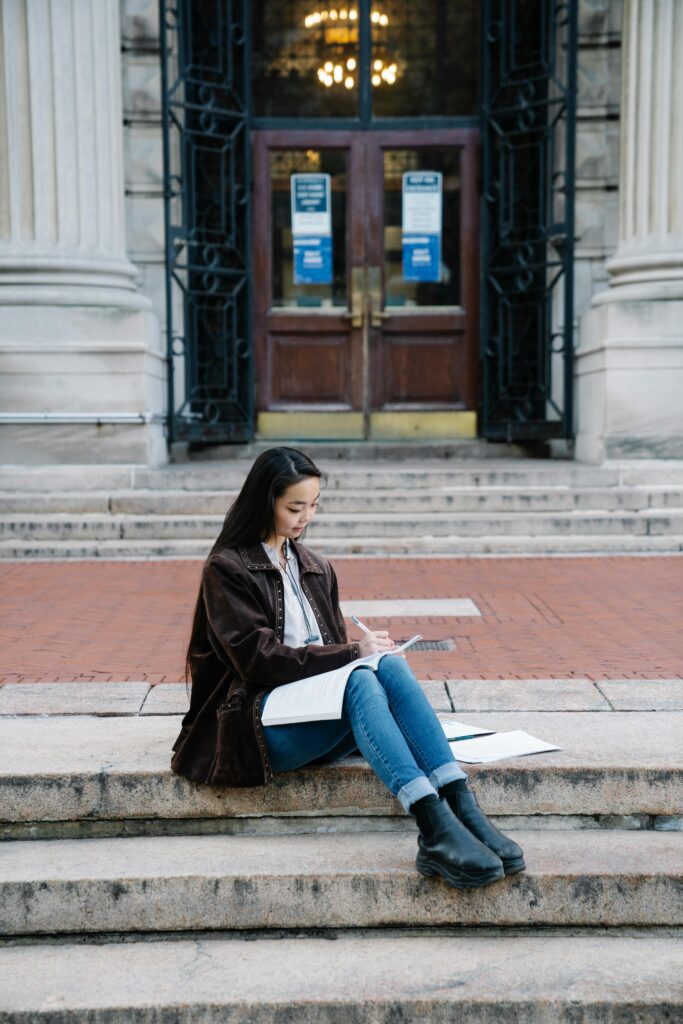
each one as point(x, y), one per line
point(331, 73)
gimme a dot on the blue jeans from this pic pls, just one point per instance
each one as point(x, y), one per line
point(388, 717)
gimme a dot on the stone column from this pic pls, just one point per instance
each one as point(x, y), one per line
point(629, 363)
point(81, 366)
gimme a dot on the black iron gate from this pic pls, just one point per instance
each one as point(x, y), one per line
point(528, 126)
point(205, 76)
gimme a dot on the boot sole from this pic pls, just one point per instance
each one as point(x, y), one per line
point(459, 879)
point(513, 867)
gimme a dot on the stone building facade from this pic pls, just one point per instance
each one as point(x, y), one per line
point(83, 302)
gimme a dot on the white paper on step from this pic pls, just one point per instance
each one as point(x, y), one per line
point(460, 731)
point(499, 745)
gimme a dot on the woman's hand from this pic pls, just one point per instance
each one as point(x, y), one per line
point(378, 642)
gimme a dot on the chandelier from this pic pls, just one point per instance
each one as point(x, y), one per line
point(337, 31)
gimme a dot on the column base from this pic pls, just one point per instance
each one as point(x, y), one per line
point(629, 380)
point(81, 384)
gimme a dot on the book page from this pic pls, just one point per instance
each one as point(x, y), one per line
point(314, 699)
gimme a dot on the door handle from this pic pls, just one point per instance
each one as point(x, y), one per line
point(357, 297)
point(377, 316)
point(366, 284)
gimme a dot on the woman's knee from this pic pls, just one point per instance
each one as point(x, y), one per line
point(364, 685)
point(395, 674)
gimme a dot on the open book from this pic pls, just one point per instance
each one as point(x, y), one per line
point(320, 697)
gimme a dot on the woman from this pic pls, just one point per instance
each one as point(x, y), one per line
point(268, 613)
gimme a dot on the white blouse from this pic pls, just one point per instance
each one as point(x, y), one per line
point(301, 626)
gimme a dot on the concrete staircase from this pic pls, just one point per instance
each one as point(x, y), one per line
point(128, 894)
point(431, 506)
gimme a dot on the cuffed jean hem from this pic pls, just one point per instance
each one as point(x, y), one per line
point(415, 790)
point(446, 773)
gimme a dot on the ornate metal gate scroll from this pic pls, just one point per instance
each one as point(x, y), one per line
point(205, 78)
point(528, 130)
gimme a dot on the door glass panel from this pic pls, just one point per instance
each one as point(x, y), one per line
point(283, 164)
point(304, 58)
point(397, 290)
point(425, 58)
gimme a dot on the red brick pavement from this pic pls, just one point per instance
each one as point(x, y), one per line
point(541, 617)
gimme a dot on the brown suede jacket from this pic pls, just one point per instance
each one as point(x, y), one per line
point(240, 655)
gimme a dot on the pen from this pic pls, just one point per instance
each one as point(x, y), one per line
point(361, 625)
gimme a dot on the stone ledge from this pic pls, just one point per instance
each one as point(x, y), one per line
point(383, 979)
point(551, 545)
point(467, 696)
point(180, 883)
point(68, 768)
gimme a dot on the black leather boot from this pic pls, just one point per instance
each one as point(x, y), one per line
point(465, 807)
point(448, 849)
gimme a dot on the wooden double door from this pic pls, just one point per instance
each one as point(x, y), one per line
point(373, 349)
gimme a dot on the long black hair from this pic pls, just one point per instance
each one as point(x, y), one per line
point(251, 517)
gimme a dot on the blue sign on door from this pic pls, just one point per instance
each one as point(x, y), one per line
point(313, 260)
point(421, 225)
point(312, 228)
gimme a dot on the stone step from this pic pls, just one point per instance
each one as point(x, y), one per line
point(97, 769)
point(59, 526)
point(457, 547)
point(474, 696)
point(65, 502)
point(607, 978)
point(381, 473)
point(367, 880)
point(377, 474)
point(443, 499)
point(359, 451)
